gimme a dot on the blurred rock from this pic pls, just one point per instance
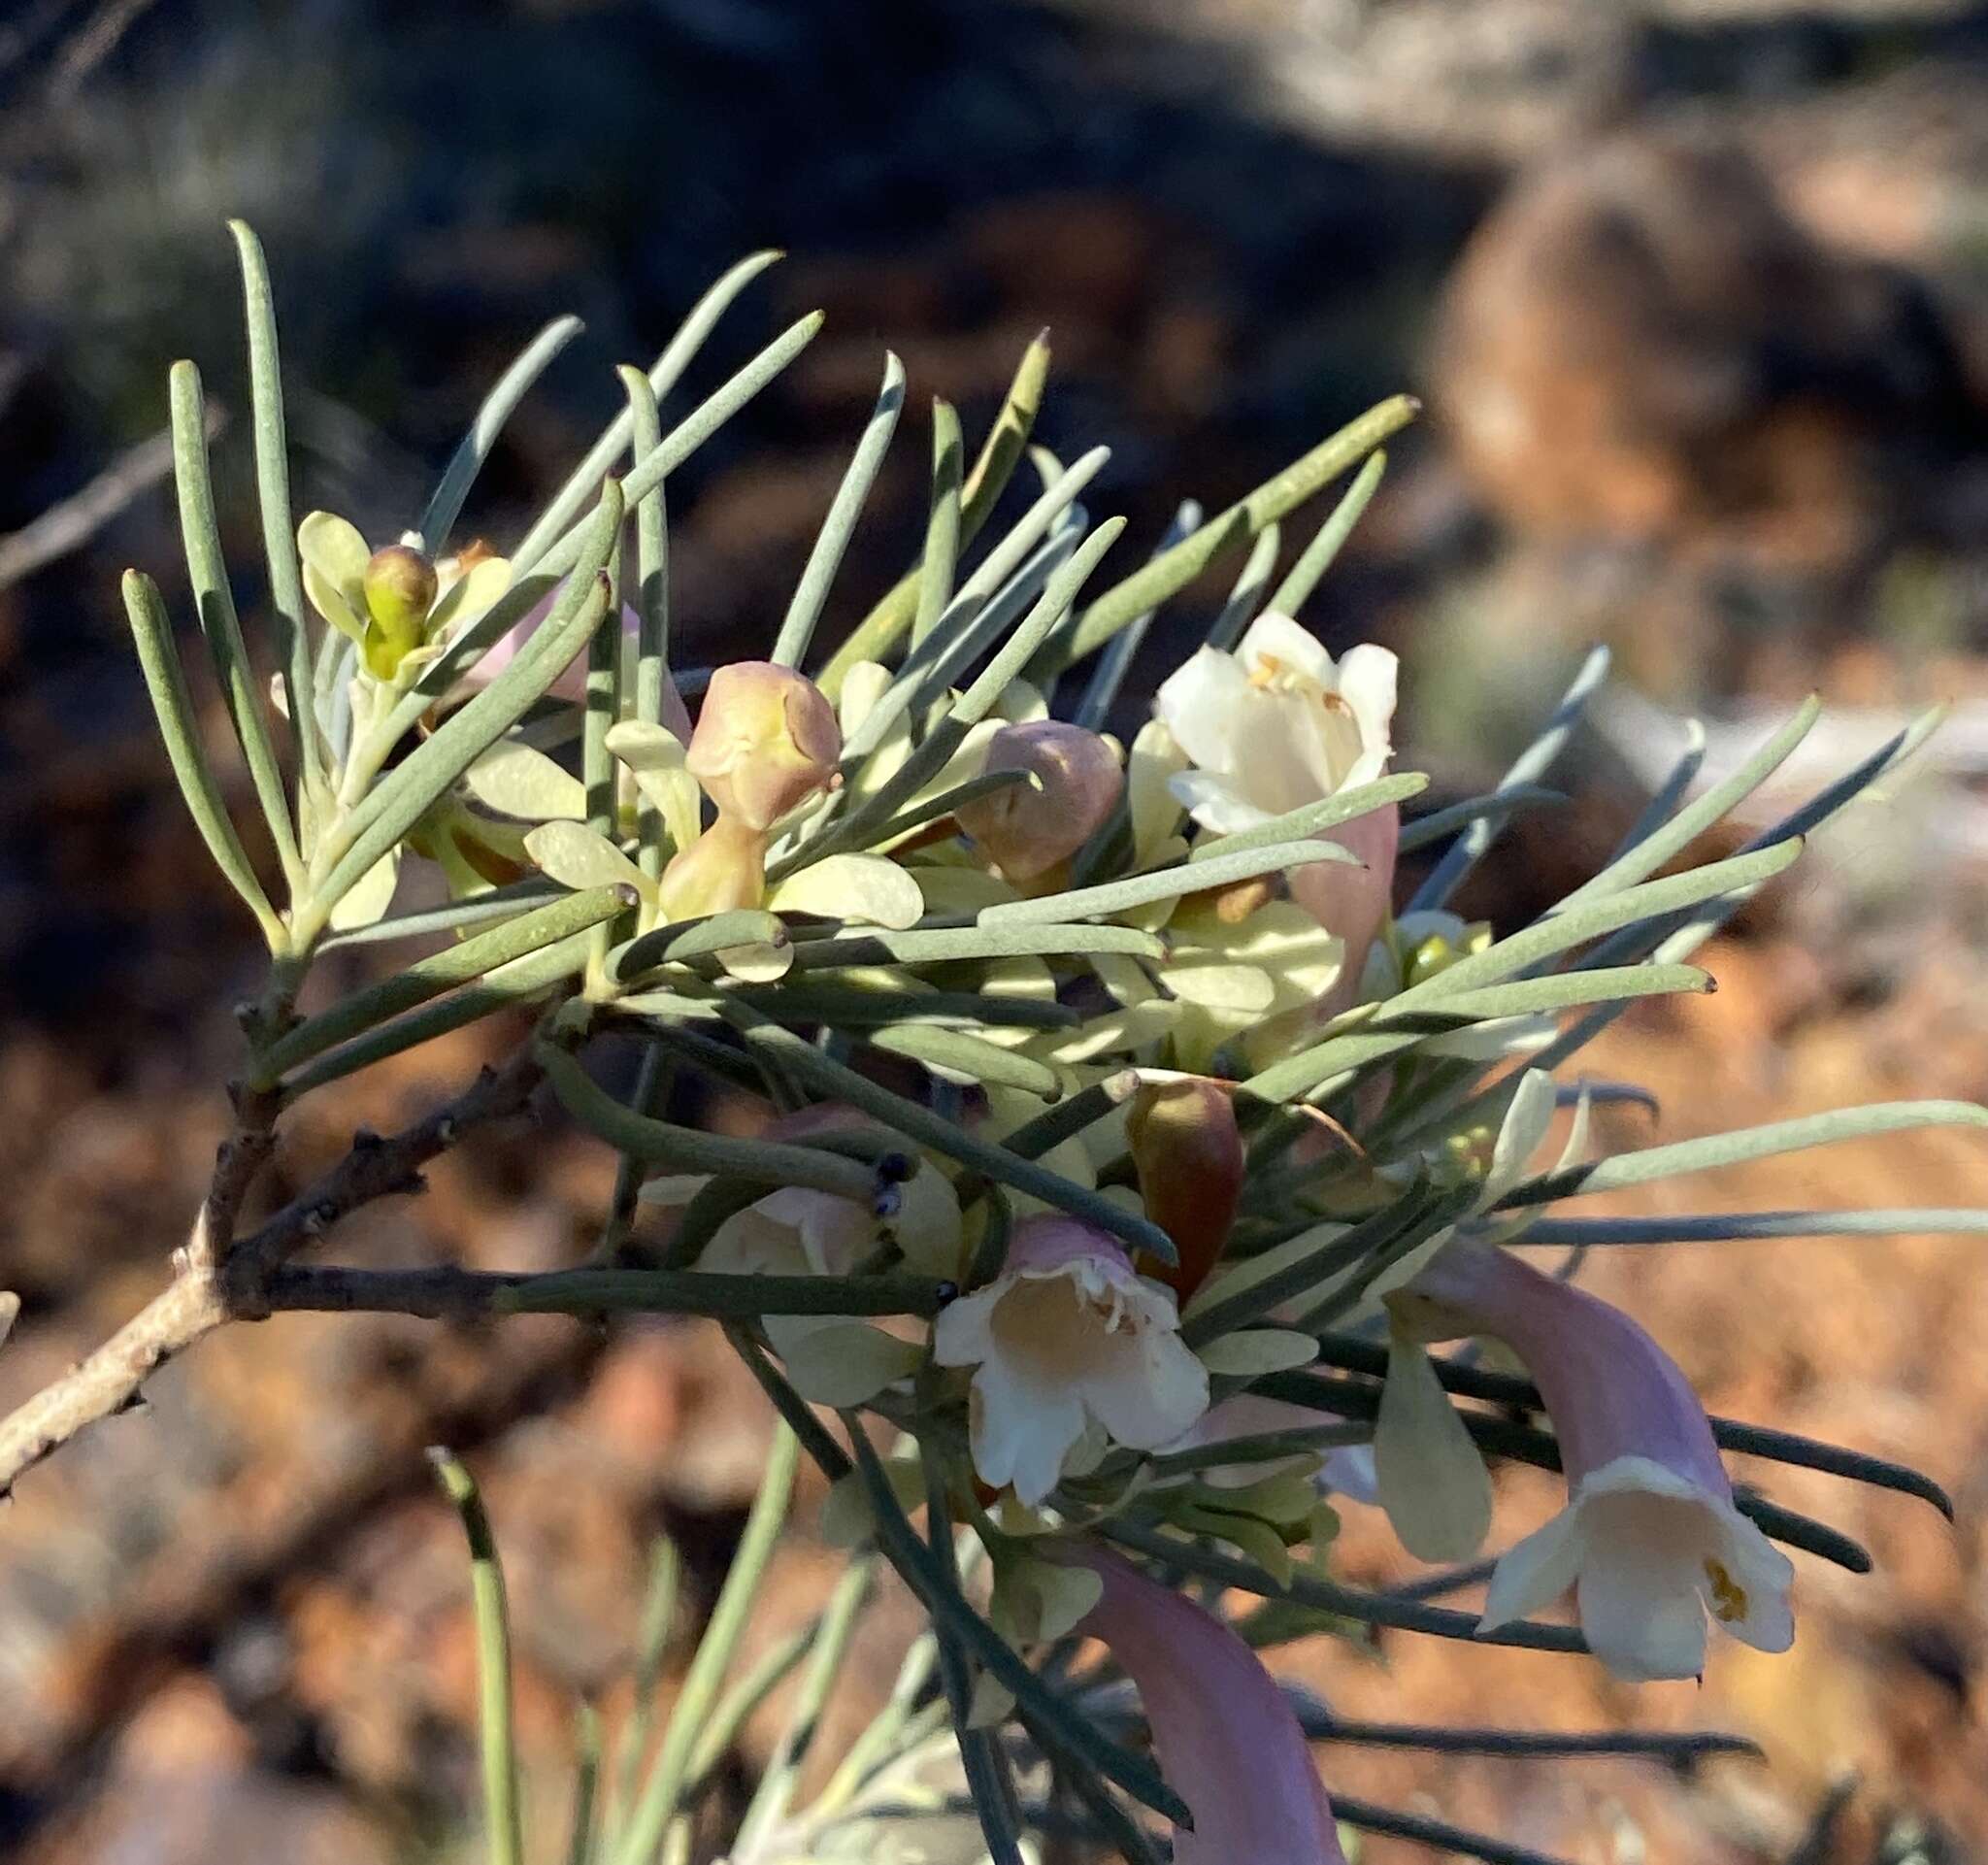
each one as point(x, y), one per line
point(1642, 347)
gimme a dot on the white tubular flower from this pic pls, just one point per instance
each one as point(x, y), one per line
point(1067, 1334)
point(1650, 1540)
point(1278, 724)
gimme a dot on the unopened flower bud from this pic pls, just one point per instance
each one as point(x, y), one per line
point(1026, 828)
point(766, 740)
point(399, 584)
point(723, 869)
point(1189, 1157)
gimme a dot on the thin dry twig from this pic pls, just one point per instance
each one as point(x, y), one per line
point(71, 522)
point(206, 1293)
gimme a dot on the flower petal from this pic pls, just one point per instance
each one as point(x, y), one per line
point(1021, 1430)
point(1202, 704)
point(1534, 1572)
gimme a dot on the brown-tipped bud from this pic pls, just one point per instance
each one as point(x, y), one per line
point(724, 868)
point(1027, 828)
point(400, 586)
point(1189, 1157)
point(766, 740)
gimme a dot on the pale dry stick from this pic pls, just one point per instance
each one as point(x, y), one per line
point(71, 522)
point(204, 1294)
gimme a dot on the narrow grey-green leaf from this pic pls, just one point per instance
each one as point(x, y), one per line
point(428, 977)
point(273, 494)
point(832, 543)
point(1163, 884)
point(1276, 498)
point(207, 568)
point(165, 681)
point(573, 498)
point(1322, 553)
point(1533, 762)
point(444, 507)
point(1740, 1145)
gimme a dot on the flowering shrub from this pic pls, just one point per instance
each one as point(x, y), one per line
point(1124, 1151)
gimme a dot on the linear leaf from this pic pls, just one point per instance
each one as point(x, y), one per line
point(166, 682)
point(678, 445)
point(1315, 818)
point(446, 505)
point(832, 544)
point(1743, 1144)
point(1168, 574)
point(880, 630)
point(428, 977)
point(1471, 846)
point(1660, 847)
point(1319, 555)
point(521, 981)
point(1439, 824)
point(273, 495)
point(573, 497)
point(1163, 884)
point(215, 602)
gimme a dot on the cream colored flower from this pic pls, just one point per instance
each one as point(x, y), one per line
point(1650, 1541)
point(1277, 724)
point(1067, 1334)
point(1280, 725)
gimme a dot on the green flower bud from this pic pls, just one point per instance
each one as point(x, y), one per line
point(399, 584)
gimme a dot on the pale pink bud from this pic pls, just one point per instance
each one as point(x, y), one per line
point(1226, 1737)
point(1027, 828)
point(766, 740)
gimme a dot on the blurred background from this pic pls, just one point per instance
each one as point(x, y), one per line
point(1696, 292)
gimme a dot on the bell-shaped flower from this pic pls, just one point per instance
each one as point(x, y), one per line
point(1226, 1737)
point(1067, 1335)
point(1188, 1153)
point(832, 1359)
point(1071, 782)
point(766, 740)
point(1278, 724)
point(1650, 1540)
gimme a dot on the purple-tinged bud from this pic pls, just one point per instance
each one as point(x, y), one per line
point(1027, 828)
point(1225, 1735)
point(766, 740)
